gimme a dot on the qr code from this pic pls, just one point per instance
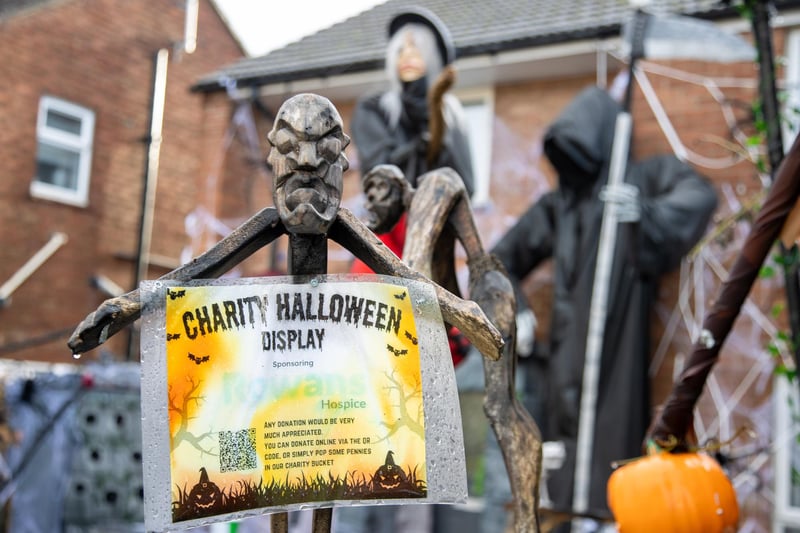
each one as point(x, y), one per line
point(237, 450)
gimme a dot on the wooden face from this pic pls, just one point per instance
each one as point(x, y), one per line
point(307, 161)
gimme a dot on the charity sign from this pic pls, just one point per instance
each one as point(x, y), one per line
point(270, 394)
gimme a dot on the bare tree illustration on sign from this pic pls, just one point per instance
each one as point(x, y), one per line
point(182, 407)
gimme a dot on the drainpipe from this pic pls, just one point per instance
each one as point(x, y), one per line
point(153, 139)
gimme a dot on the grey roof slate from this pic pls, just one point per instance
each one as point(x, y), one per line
point(477, 27)
point(10, 8)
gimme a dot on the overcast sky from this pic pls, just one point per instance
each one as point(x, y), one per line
point(264, 25)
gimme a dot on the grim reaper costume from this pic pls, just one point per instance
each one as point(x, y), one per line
point(674, 205)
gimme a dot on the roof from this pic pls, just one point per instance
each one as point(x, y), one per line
point(478, 27)
point(9, 8)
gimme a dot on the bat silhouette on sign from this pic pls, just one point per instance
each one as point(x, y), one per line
point(395, 351)
point(197, 359)
point(176, 294)
point(401, 296)
point(411, 337)
point(173, 336)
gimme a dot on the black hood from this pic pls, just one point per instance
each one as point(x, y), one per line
point(578, 143)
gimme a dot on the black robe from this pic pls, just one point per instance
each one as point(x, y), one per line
point(403, 145)
point(676, 206)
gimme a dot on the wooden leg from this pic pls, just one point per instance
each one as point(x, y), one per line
point(321, 523)
point(279, 523)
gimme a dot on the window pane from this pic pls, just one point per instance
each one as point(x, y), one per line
point(480, 141)
point(57, 166)
point(63, 122)
point(794, 476)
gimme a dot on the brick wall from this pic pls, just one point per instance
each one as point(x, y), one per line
point(99, 54)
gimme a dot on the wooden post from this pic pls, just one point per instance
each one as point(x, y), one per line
point(308, 256)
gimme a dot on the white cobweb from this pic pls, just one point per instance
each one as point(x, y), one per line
point(739, 392)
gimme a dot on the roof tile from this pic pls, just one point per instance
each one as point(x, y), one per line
point(477, 27)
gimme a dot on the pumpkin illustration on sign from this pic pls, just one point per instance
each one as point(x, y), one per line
point(673, 493)
point(205, 495)
point(389, 476)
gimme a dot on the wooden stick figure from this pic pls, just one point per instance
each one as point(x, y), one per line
point(439, 213)
point(308, 161)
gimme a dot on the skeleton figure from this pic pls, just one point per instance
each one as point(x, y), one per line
point(439, 213)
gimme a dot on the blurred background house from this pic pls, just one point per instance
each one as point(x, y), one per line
point(85, 83)
point(76, 111)
point(77, 101)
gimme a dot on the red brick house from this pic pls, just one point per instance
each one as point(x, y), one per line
point(88, 66)
point(519, 64)
point(75, 111)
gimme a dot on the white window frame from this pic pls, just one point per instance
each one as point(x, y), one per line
point(480, 123)
point(791, 125)
point(786, 431)
point(78, 143)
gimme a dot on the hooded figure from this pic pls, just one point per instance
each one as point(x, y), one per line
point(665, 210)
point(393, 127)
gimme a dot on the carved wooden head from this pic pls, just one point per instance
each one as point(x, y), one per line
point(384, 188)
point(308, 160)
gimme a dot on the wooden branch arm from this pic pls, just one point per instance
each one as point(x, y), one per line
point(434, 198)
point(116, 313)
point(517, 433)
point(464, 314)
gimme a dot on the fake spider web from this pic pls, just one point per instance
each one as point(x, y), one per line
point(739, 392)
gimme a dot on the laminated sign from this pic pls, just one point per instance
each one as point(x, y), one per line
point(272, 394)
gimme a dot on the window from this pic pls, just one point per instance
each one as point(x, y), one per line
point(791, 106)
point(786, 396)
point(787, 457)
point(64, 133)
point(479, 110)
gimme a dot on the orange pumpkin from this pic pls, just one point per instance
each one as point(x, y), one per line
point(673, 493)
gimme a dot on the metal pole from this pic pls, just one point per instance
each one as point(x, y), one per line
point(767, 90)
point(598, 310)
point(597, 321)
point(770, 109)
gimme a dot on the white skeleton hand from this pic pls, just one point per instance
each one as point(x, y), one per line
point(526, 332)
point(626, 199)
